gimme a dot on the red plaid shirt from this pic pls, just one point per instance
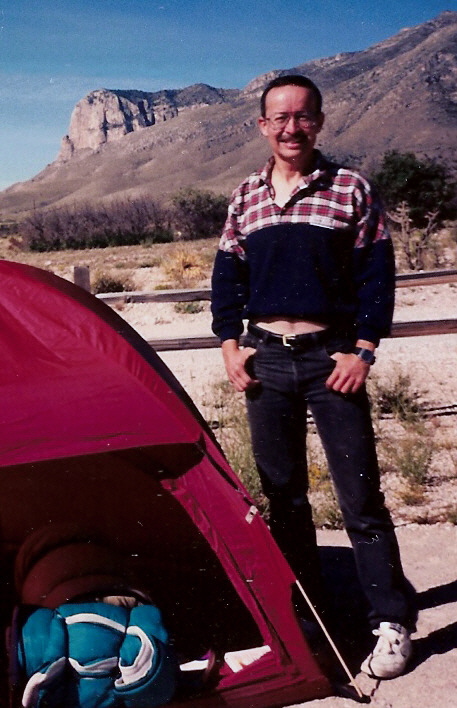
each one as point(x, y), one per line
point(331, 196)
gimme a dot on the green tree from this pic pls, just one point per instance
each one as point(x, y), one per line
point(424, 185)
point(198, 214)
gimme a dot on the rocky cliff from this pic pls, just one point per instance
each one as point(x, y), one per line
point(105, 115)
point(399, 94)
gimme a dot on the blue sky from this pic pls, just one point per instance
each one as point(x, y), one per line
point(54, 52)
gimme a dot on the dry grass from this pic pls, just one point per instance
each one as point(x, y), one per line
point(145, 266)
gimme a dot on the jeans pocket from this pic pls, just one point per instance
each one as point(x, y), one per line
point(249, 366)
point(338, 344)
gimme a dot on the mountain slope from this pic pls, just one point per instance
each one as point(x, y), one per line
point(399, 94)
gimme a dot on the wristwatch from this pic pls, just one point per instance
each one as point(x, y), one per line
point(365, 354)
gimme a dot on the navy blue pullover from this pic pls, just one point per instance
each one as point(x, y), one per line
point(325, 256)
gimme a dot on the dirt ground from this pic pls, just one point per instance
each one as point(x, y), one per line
point(429, 555)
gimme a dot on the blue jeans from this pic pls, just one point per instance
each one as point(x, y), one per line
point(291, 379)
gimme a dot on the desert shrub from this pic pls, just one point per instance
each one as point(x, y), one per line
point(120, 223)
point(184, 267)
point(198, 214)
point(410, 456)
point(105, 283)
point(419, 248)
point(397, 398)
point(450, 514)
point(419, 195)
point(188, 308)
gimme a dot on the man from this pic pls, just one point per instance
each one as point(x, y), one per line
point(305, 256)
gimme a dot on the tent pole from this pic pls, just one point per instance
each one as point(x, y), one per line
point(352, 680)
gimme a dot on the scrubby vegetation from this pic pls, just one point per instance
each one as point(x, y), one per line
point(420, 196)
point(198, 214)
point(425, 185)
point(192, 215)
point(409, 447)
point(103, 283)
point(118, 224)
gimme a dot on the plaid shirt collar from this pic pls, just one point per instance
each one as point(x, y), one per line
point(320, 171)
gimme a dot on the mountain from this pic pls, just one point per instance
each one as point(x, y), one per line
point(398, 94)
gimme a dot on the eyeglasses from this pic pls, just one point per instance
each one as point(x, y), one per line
point(279, 121)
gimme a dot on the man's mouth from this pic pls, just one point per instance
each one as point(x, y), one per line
point(298, 140)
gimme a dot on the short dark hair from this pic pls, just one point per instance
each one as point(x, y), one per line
point(291, 80)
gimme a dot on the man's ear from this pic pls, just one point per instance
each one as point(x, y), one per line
point(263, 125)
point(321, 121)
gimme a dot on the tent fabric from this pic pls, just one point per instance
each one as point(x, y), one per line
point(96, 431)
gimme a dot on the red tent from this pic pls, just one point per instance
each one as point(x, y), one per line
point(96, 430)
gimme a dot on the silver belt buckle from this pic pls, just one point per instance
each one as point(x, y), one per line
point(285, 339)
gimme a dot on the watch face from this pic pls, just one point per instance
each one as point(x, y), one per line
point(366, 355)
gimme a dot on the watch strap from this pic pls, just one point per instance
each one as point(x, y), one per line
point(365, 354)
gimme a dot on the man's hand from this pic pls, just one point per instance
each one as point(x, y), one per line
point(235, 362)
point(350, 371)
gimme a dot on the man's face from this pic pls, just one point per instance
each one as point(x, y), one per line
point(294, 141)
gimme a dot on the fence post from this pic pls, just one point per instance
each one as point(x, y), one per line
point(81, 277)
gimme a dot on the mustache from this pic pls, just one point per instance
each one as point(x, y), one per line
point(296, 138)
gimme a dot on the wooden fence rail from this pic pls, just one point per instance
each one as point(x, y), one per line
point(399, 329)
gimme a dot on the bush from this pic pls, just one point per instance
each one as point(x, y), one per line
point(423, 184)
point(118, 224)
point(188, 308)
point(185, 267)
point(198, 214)
point(397, 398)
point(111, 284)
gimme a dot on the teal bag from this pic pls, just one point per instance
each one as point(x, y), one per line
point(96, 655)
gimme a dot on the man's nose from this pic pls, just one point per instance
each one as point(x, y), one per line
point(295, 123)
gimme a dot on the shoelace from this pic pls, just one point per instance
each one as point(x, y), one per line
point(385, 642)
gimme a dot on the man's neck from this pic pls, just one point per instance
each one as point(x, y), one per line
point(290, 171)
point(286, 176)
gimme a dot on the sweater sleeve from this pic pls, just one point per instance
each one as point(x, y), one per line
point(229, 284)
point(374, 269)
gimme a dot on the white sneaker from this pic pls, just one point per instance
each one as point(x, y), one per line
point(391, 653)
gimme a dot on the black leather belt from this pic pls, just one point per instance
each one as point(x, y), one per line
point(289, 340)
